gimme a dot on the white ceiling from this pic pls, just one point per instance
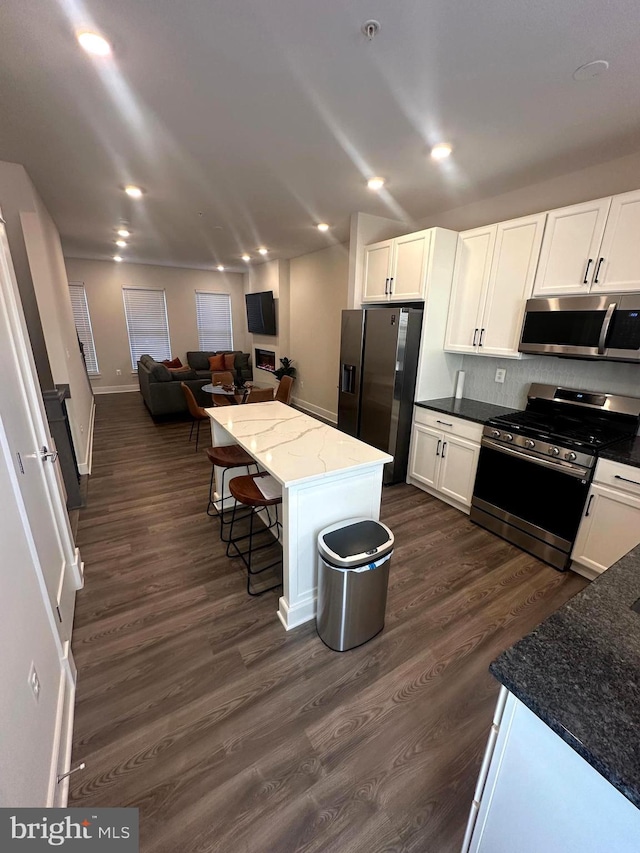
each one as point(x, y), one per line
point(247, 121)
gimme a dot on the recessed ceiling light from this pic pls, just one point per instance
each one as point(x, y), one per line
point(375, 183)
point(441, 151)
point(263, 251)
point(118, 258)
point(122, 232)
point(121, 243)
point(591, 69)
point(220, 268)
point(93, 43)
point(246, 258)
point(322, 226)
point(132, 191)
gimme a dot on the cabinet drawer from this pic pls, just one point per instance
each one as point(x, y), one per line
point(448, 423)
point(626, 478)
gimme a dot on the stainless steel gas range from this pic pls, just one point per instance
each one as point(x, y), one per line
point(535, 466)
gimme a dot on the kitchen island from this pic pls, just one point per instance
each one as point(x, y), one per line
point(326, 476)
point(562, 768)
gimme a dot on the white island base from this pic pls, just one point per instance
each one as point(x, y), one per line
point(326, 476)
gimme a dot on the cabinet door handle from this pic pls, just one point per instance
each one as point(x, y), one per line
point(625, 479)
point(386, 287)
point(444, 447)
point(481, 337)
point(444, 423)
point(586, 272)
point(390, 285)
point(438, 447)
point(591, 497)
point(595, 278)
point(475, 335)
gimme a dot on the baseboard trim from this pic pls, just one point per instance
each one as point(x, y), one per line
point(586, 572)
point(116, 389)
point(436, 494)
point(311, 409)
point(292, 617)
point(85, 467)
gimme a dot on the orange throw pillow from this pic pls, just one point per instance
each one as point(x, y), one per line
point(229, 361)
point(216, 362)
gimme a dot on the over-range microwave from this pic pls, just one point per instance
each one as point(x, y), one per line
point(600, 327)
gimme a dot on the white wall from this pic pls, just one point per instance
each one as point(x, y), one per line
point(273, 276)
point(104, 280)
point(42, 243)
point(319, 294)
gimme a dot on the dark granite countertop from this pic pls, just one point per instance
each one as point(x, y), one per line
point(469, 410)
point(627, 451)
point(579, 671)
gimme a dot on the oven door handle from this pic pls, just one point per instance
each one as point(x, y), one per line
point(577, 472)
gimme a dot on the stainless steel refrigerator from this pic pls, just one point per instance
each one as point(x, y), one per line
point(378, 365)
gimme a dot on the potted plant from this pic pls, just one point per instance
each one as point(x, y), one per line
point(286, 370)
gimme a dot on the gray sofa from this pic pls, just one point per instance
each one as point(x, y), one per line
point(160, 388)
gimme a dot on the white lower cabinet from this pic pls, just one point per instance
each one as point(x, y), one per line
point(537, 795)
point(444, 456)
point(610, 525)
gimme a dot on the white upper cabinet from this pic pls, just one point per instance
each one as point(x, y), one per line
point(470, 277)
point(377, 271)
point(400, 270)
point(618, 267)
point(493, 278)
point(591, 248)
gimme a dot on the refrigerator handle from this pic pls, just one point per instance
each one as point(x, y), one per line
point(348, 378)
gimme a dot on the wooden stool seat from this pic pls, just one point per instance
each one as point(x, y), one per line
point(229, 456)
point(245, 491)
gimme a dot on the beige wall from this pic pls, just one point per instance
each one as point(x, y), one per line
point(319, 292)
point(104, 280)
point(614, 176)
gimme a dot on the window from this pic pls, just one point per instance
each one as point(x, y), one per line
point(83, 325)
point(213, 313)
point(147, 325)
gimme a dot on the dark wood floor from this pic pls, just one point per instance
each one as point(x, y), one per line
point(230, 734)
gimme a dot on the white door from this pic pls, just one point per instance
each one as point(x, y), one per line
point(458, 468)
point(470, 278)
point(425, 454)
point(513, 269)
point(618, 267)
point(377, 271)
point(609, 528)
point(27, 434)
point(409, 271)
point(571, 248)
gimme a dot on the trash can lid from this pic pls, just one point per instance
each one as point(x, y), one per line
point(355, 542)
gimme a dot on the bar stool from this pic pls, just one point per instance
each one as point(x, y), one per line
point(246, 492)
point(227, 457)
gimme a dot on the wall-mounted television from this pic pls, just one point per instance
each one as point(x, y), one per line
point(261, 313)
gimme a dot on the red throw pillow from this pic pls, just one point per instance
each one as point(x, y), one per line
point(229, 361)
point(216, 362)
point(172, 362)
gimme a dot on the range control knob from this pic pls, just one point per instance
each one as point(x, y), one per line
point(554, 451)
point(495, 433)
point(571, 456)
point(529, 443)
point(507, 437)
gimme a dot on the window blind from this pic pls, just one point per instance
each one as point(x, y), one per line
point(82, 320)
point(213, 314)
point(147, 325)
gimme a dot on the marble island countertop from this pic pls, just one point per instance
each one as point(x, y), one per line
point(579, 671)
point(469, 410)
point(292, 446)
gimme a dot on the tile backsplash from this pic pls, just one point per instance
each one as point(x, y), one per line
point(480, 384)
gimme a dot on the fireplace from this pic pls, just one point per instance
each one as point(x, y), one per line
point(265, 359)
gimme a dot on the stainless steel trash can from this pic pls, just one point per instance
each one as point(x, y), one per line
point(353, 573)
